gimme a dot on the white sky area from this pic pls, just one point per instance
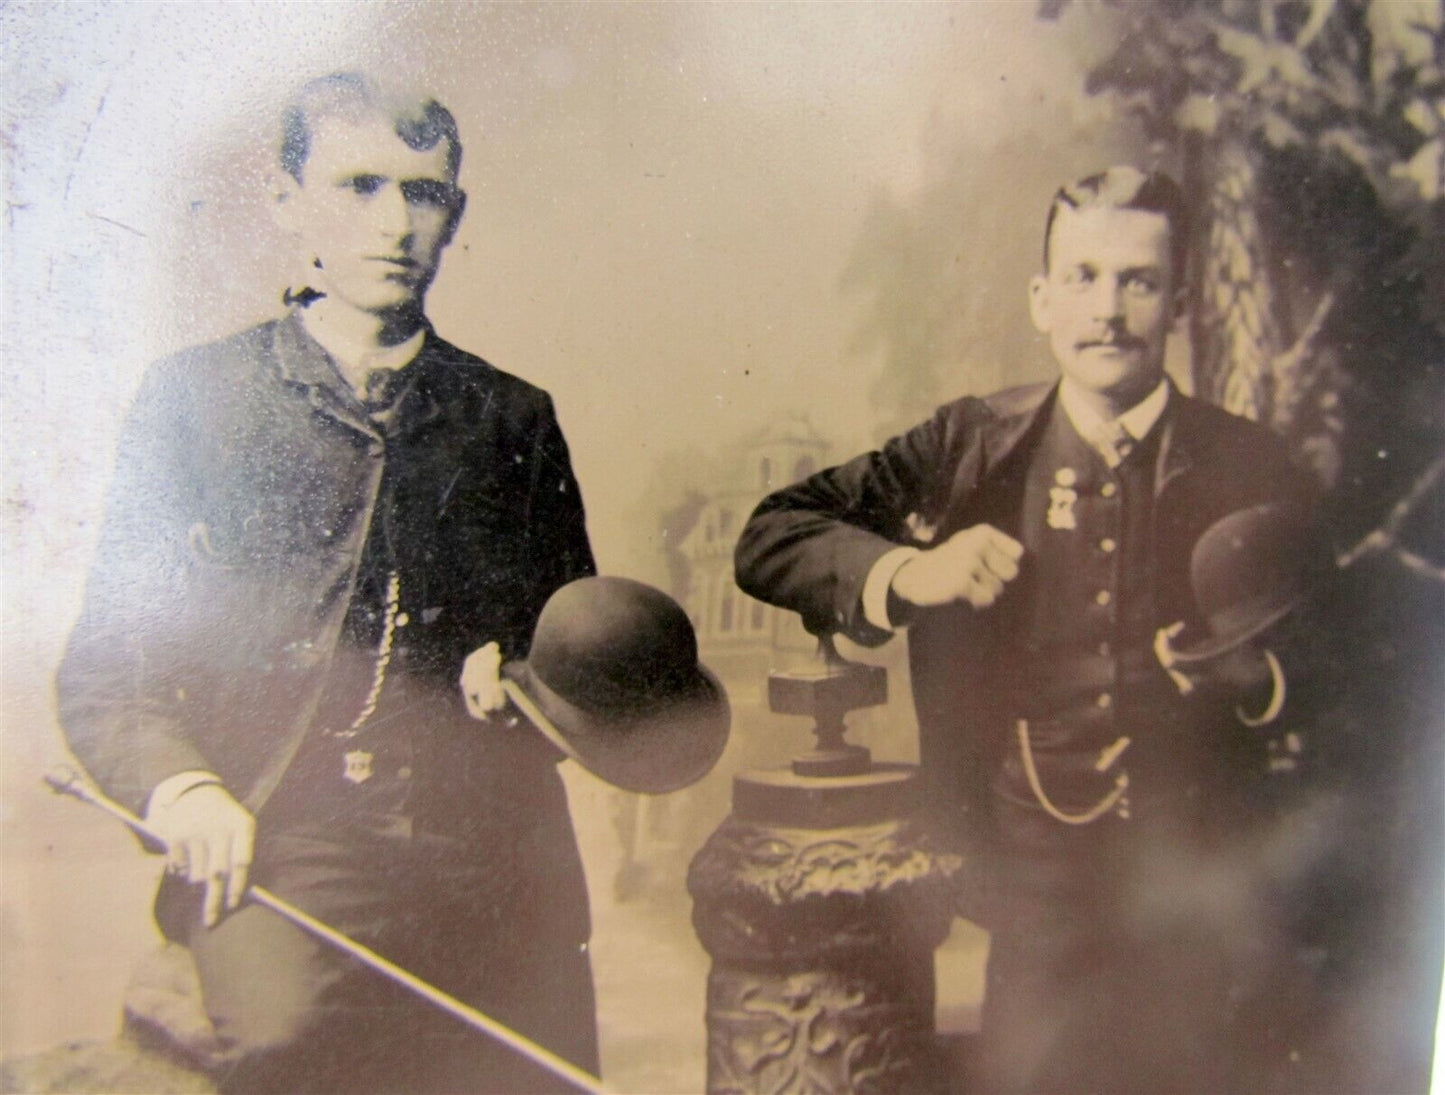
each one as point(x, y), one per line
point(663, 203)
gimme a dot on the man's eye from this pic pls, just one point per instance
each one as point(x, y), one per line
point(1079, 277)
point(364, 184)
point(1142, 284)
point(426, 192)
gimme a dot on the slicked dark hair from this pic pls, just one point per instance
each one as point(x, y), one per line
point(1129, 188)
point(420, 122)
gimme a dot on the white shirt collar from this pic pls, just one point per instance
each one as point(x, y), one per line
point(356, 356)
point(1138, 419)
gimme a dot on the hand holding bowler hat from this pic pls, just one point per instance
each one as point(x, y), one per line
point(1247, 574)
point(613, 680)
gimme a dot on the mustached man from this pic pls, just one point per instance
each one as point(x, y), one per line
point(1032, 544)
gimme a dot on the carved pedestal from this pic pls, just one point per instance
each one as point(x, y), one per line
point(821, 902)
point(822, 943)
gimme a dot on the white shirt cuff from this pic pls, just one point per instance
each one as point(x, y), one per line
point(173, 787)
point(879, 582)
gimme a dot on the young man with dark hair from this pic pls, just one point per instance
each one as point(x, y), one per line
point(324, 535)
point(1033, 543)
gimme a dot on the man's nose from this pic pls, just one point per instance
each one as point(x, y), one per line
point(391, 213)
point(1106, 299)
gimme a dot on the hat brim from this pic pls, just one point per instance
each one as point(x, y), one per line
point(1216, 645)
point(662, 750)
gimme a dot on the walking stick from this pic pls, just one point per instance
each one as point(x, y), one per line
point(67, 781)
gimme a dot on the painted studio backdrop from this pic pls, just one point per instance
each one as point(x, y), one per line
point(739, 243)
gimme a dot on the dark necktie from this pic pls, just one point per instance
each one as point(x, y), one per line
point(1114, 443)
point(381, 389)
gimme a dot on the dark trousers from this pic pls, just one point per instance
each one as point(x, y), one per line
point(1115, 959)
point(296, 1015)
point(1080, 1007)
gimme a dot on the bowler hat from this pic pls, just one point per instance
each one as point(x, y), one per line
point(613, 679)
point(1247, 572)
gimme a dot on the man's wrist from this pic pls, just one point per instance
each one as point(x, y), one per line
point(900, 612)
point(882, 607)
point(169, 790)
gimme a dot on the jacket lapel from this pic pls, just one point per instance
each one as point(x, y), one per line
point(1002, 434)
point(985, 462)
point(1177, 443)
point(305, 366)
point(444, 389)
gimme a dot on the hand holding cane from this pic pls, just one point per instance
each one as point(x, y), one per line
point(67, 781)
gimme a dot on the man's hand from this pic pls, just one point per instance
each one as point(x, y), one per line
point(973, 565)
point(1240, 671)
point(209, 836)
point(481, 681)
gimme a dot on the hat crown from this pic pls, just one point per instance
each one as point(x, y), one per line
point(613, 680)
point(1246, 571)
point(613, 645)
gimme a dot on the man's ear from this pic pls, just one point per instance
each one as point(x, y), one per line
point(1039, 303)
point(285, 194)
point(454, 219)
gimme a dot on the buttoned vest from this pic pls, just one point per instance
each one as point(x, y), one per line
point(358, 758)
point(1084, 608)
point(1080, 622)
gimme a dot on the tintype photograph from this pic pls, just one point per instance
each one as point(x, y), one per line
point(723, 547)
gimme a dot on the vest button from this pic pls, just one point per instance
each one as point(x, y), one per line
point(1105, 700)
point(1107, 545)
point(1108, 490)
point(1103, 597)
point(403, 772)
point(1105, 649)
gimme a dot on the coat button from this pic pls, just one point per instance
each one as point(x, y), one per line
point(1103, 597)
point(1105, 700)
point(1107, 545)
point(1108, 490)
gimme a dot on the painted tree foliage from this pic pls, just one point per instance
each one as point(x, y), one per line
point(1312, 134)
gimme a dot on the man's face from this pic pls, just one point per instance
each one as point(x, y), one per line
point(1107, 301)
point(374, 212)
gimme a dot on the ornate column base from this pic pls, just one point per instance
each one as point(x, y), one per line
point(822, 943)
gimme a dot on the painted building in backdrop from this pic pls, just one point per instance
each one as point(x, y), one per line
point(739, 638)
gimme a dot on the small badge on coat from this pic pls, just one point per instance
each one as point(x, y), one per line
point(358, 766)
point(1061, 508)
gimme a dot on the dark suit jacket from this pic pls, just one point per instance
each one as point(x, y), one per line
point(809, 548)
point(245, 490)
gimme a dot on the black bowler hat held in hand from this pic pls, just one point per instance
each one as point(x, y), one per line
point(1247, 573)
point(613, 680)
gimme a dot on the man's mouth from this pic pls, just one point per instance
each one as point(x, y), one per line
point(397, 268)
point(1114, 342)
